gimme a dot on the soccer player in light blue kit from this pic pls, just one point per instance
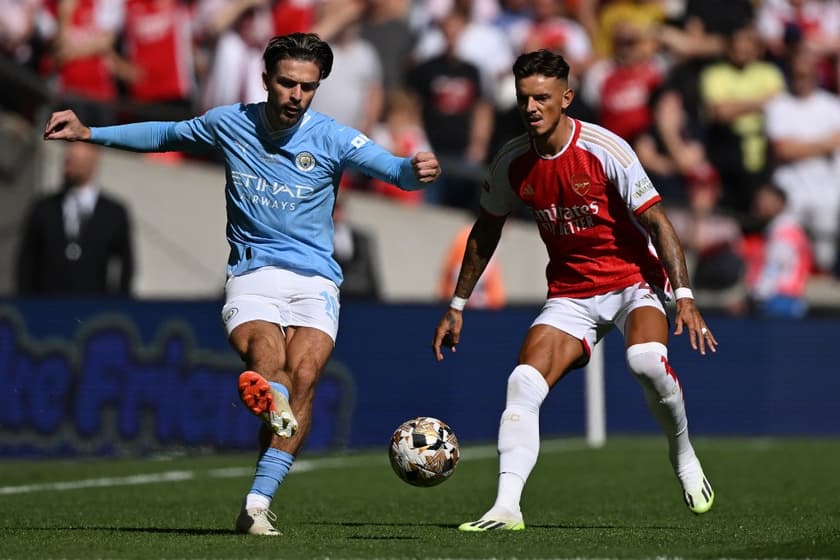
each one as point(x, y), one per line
point(283, 164)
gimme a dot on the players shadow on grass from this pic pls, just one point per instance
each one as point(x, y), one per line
point(599, 526)
point(378, 524)
point(153, 530)
point(575, 526)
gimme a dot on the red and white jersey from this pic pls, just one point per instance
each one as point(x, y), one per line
point(585, 200)
point(621, 95)
point(158, 40)
point(89, 76)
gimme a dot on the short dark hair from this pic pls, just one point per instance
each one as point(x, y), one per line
point(299, 46)
point(542, 62)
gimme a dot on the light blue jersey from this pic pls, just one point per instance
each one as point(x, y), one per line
point(280, 186)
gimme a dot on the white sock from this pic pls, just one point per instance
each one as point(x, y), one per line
point(664, 397)
point(519, 438)
point(688, 470)
point(256, 501)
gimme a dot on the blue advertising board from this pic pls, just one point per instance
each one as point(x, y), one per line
point(95, 377)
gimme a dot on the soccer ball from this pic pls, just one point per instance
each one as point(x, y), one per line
point(424, 451)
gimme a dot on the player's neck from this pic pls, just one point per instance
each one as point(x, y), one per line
point(274, 120)
point(552, 143)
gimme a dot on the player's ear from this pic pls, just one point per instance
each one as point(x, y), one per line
point(265, 80)
point(568, 96)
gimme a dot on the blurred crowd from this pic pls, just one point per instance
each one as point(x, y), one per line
point(731, 105)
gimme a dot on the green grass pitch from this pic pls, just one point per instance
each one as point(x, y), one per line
point(776, 498)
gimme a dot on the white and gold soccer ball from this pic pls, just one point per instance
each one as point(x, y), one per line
point(424, 451)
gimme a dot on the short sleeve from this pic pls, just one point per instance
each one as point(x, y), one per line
point(625, 171)
point(497, 194)
point(637, 189)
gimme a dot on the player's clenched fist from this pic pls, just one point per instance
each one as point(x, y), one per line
point(65, 125)
point(426, 167)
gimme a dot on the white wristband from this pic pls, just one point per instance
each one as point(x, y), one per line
point(458, 303)
point(681, 293)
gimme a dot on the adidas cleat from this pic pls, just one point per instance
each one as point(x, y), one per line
point(257, 522)
point(492, 525)
point(701, 500)
point(267, 403)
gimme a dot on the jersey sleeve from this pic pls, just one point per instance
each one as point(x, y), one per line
point(641, 194)
point(359, 152)
point(195, 134)
point(497, 195)
point(624, 169)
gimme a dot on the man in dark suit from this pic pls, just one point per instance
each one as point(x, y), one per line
point(76, 242)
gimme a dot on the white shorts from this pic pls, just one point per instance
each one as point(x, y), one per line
point(590, 319)
point(282, 297)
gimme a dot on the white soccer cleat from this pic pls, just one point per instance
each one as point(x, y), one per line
point(267, 403)
point(491, 524)
point(701, 499)
point(257, 522)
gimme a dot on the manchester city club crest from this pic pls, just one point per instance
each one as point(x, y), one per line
point(305, 161)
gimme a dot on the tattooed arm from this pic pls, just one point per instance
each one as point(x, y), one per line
point(667, 245)
point(671, 255)
point(481, 244)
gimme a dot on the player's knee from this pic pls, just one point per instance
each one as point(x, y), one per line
point(647, 359)
point(649, 363)
point(261, 351)
point(526, 388)
point(258, 347)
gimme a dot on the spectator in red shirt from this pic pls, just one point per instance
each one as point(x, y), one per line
point(84, 55)
point(293, 16)
point(619, 89)
point(158, 42)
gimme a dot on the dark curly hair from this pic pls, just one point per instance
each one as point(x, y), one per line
point(299, 46)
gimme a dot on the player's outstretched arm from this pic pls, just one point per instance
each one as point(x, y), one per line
point(65, 125)
point(426, 167)
point(671, 254)
point(481, 244)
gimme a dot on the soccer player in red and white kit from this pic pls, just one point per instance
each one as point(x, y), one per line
point(613, 259)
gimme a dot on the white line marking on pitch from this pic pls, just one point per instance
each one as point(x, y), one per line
point(301, 466)
point(107, 482)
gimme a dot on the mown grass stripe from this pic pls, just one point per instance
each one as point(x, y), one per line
point(301, 466)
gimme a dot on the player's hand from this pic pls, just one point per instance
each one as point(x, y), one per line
point(426, 167)
point(65, 125)
point(699, 334)
point(448, 332)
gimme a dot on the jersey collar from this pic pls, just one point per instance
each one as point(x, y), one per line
point(572, 139)
point(286, 131)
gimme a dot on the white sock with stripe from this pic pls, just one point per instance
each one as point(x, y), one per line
point(664, 397)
